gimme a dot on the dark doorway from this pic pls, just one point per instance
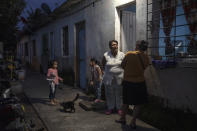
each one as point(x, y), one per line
point(80, 55)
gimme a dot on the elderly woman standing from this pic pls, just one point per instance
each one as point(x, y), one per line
point(134, 86)
point(113, 75)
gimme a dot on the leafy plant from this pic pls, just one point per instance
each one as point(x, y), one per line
point(10, 10)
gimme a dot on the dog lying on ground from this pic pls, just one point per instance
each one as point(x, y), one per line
point(70, 104)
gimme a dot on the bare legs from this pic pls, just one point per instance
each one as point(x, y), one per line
point(52, 102)
point(136, 111)
point(124, 112)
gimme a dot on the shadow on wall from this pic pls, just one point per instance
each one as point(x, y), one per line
point(68, 75)
point(167, 119)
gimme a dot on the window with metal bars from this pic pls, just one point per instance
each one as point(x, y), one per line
point(172, 29)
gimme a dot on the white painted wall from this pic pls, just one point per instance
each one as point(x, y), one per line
point(141, 9)
point(103, 24)
point(99, 30)
point(119, 3)
point(178, 87)
point(21, 43)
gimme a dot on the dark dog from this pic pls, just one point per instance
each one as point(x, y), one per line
point(70, 104)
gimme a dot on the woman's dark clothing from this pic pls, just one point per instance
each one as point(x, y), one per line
point(134, 93)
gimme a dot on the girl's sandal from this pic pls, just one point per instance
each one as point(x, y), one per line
point(53, 103)
point(56, 101)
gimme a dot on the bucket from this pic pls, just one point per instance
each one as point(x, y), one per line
point(21, 74)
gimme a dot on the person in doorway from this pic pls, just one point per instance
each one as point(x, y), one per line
point(134, 86)
point(53, 73)
point(113, 75)
point(96, 78)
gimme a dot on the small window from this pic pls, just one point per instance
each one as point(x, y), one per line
point(65, 41)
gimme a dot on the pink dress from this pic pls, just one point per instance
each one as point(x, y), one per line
point(54, 72)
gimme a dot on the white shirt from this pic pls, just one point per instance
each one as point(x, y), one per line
point(113, 68)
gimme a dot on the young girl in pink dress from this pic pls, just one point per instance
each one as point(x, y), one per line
point(52, 72)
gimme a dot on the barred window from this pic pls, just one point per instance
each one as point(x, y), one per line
point(172, 29)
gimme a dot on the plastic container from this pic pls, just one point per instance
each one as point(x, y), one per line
point(21, 74)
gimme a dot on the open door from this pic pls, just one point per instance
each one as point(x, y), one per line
point(80, 55)
point(128, 30)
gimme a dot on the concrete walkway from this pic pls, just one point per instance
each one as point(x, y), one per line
point(37, 90)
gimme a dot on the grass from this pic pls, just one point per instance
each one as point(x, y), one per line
point(167, 119)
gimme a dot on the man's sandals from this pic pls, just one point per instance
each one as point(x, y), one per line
point(121, 121)
point(131, 125)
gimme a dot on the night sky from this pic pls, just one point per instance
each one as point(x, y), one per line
point(36, 4)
